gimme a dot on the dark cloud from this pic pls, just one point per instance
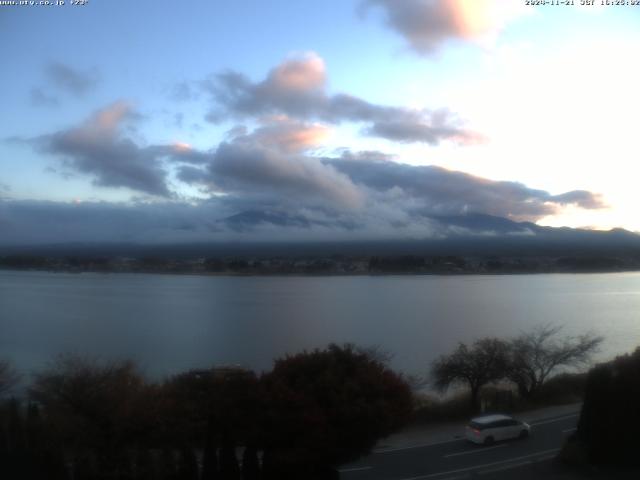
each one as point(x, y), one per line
point(181, 92)
point(407, 131)
point(297, 88)
point(40, 99)
point(219, 219)
point(270, 161)
point(97, 148)
point(246, 168)
point(262, 193)
point(581, 198)
point(257, 216)
point(74, 81)
point(183, 153)
point(193, 175)
point(33, 222)
point(427, 25)
point(368, 155)
point(368, 185)
point(435, 190)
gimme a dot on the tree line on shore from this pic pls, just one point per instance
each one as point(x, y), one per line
point(334, 264)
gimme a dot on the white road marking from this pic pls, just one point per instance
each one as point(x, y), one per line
point(387, 450)
point(467, 469)
point(569, 430)
point(354, 469)
point(504, 467)
point(559, 419)
point(477, 450)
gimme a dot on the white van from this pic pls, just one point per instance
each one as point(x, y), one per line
point(488, 429)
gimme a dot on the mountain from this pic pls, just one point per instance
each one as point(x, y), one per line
point(248, 219)
point(471, 234)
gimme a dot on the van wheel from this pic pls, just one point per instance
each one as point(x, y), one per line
point(489, 441)
point(523, 434)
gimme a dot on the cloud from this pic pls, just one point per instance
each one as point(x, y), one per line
point(407, 130)
point(180, 152)
point(273, 172)
point(260, 192)
point(241, 167)
point(41, 99)
point(427, 25)
point(581, 198)
point(39, 222)
point(284, 134)
point(182, 92)
point(367, 185)
point(70, 80)
point(304, 74)
point(97, 147)
point(297, 88)
point(437, 191)
point(270, 162)
point(388, 214)
point(194, 175)
point(220, 219)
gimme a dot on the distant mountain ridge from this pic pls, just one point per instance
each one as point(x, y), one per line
point(471, 235)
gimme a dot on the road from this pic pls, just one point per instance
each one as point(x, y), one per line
point(459, 459)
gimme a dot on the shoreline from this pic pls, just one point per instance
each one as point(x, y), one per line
point(320, 274)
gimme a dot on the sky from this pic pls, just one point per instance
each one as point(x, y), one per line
point(157, 121)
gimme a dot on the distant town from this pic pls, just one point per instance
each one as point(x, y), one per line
point(320, 265)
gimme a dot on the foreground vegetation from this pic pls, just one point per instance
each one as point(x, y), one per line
point(607, 433)
point(561, 389)
point(525, 363)
point(312, 412)
point(83, 419)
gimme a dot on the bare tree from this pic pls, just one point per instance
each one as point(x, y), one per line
point(9, 378)
point(375, 352)
point(481, 363)
point(535, 355)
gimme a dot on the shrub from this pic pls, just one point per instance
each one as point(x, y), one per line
point(610, 417)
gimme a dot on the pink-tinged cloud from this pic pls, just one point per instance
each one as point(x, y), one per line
point(98, 148)
point(297, 89)
point(103, 125)
point(304, 73)
point(181, 147)
point(287, 135)
point(427, 24)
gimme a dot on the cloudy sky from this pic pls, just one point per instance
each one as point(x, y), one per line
point(154, 121)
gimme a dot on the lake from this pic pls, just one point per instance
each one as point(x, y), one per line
point(170, 323)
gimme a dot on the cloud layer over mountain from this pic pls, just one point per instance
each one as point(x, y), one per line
point(267, 178)
point(269, 181)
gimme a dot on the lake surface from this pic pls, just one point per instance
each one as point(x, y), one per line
point(172, 323)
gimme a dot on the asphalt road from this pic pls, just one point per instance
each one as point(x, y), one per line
point(458, 459)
